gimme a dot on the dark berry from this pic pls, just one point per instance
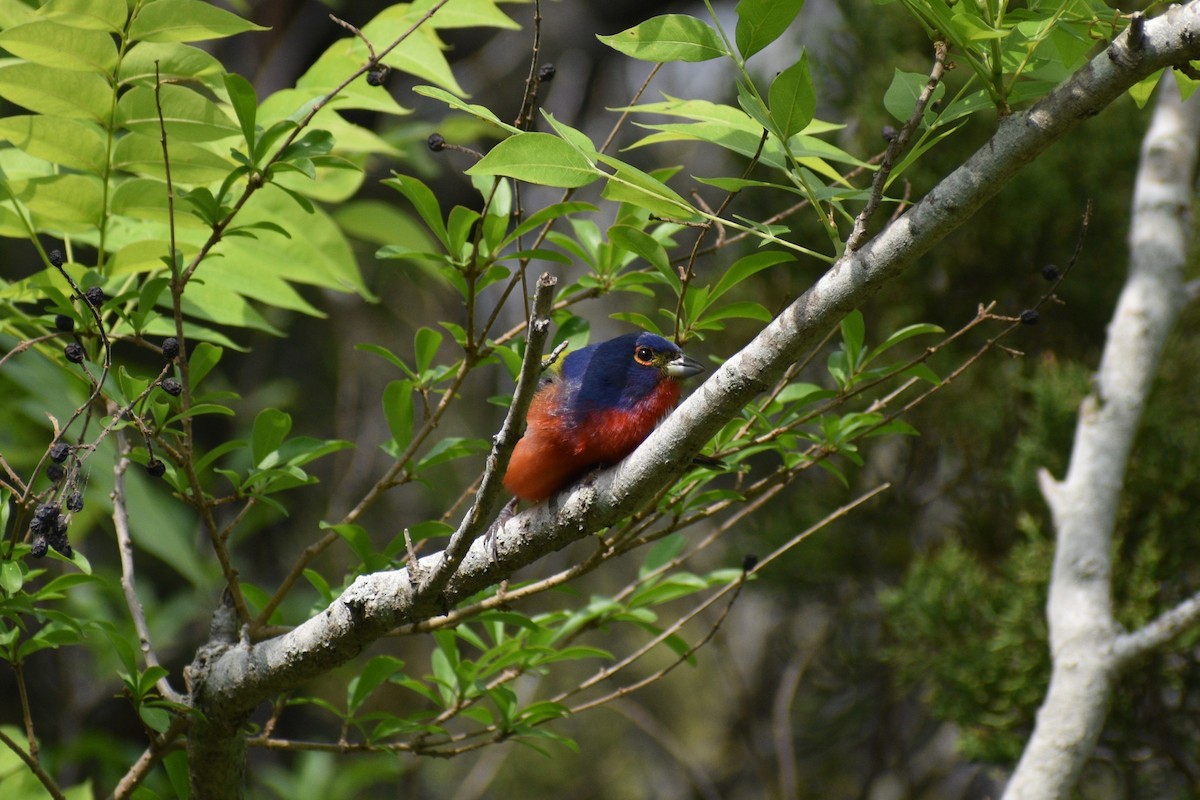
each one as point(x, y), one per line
point(39, 546)
point(94, 296)
point(58, 537)
point(156, 468)
point(170, 348)
point(56, 257)
point(59, 452)
point(171, 386)
point(46, 512)
point(749, 562)
point(74, 352)
point(1030, 317)
point(75, 501)
point(1050, 272)
point(378, 74)
point(436, 142)
point(546, 73)
point(64, 323)
point(55, 472)
point(889, 133)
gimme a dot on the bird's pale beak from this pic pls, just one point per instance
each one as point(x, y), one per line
point(683, 367)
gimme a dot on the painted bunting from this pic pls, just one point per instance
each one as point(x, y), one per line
point(593, 407)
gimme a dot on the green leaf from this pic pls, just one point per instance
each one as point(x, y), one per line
point(398, 409)
point(201, 360)
point(424, 201)
point(670, 37)
point(854, 332)
point(761, 22)
point(425, 346)
point(377, 672)
point(746, 266)
point(95, 15)
point(62, 200)
point(53, 45)
point(538, 158)
point(11, 577)
point(172, 60)
point(356, 537)
point(450, 448)
point(271, 427)
point(663, 551)
point(631, 185)
point(187, 115)
point(643, 244)
point(245, 105)
point(901, 96)
point(186, 21)
point(477, 111)
point(57, 92)
point(73, 143)
point(792, 99)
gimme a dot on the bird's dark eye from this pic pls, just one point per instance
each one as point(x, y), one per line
point(644, 356)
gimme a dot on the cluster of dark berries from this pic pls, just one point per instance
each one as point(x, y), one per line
point(49, 529)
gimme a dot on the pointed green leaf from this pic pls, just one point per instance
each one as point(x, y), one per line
point(186, 21)
point(398, 409)
point(187, 115)
point(901, 96)
point(792, 99)
point(68, 199)
point(631, 185)
point(746, 266)
point(271, 427)
point(761, 22)
point(73, 143)
point(424, 201)
point(537, 158)
point(190, 163)
point(174, 60)
point(53, 45)
point(480, 112)
point(245, 104)
point(96, 15)
point(643, 244)
point(54, 91)
point(670, 37)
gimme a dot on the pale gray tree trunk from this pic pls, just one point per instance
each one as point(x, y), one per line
point(1087, 646)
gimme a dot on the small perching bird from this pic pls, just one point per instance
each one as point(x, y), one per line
point(593, 407)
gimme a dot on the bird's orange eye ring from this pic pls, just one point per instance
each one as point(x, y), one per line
point(644, 356)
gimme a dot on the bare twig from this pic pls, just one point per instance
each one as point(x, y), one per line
point(895, 149)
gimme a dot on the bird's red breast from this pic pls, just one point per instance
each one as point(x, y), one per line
point(595, 409)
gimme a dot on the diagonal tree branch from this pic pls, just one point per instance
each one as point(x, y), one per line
point(229, 682)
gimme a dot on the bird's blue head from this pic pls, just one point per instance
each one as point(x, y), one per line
point(624, 371)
